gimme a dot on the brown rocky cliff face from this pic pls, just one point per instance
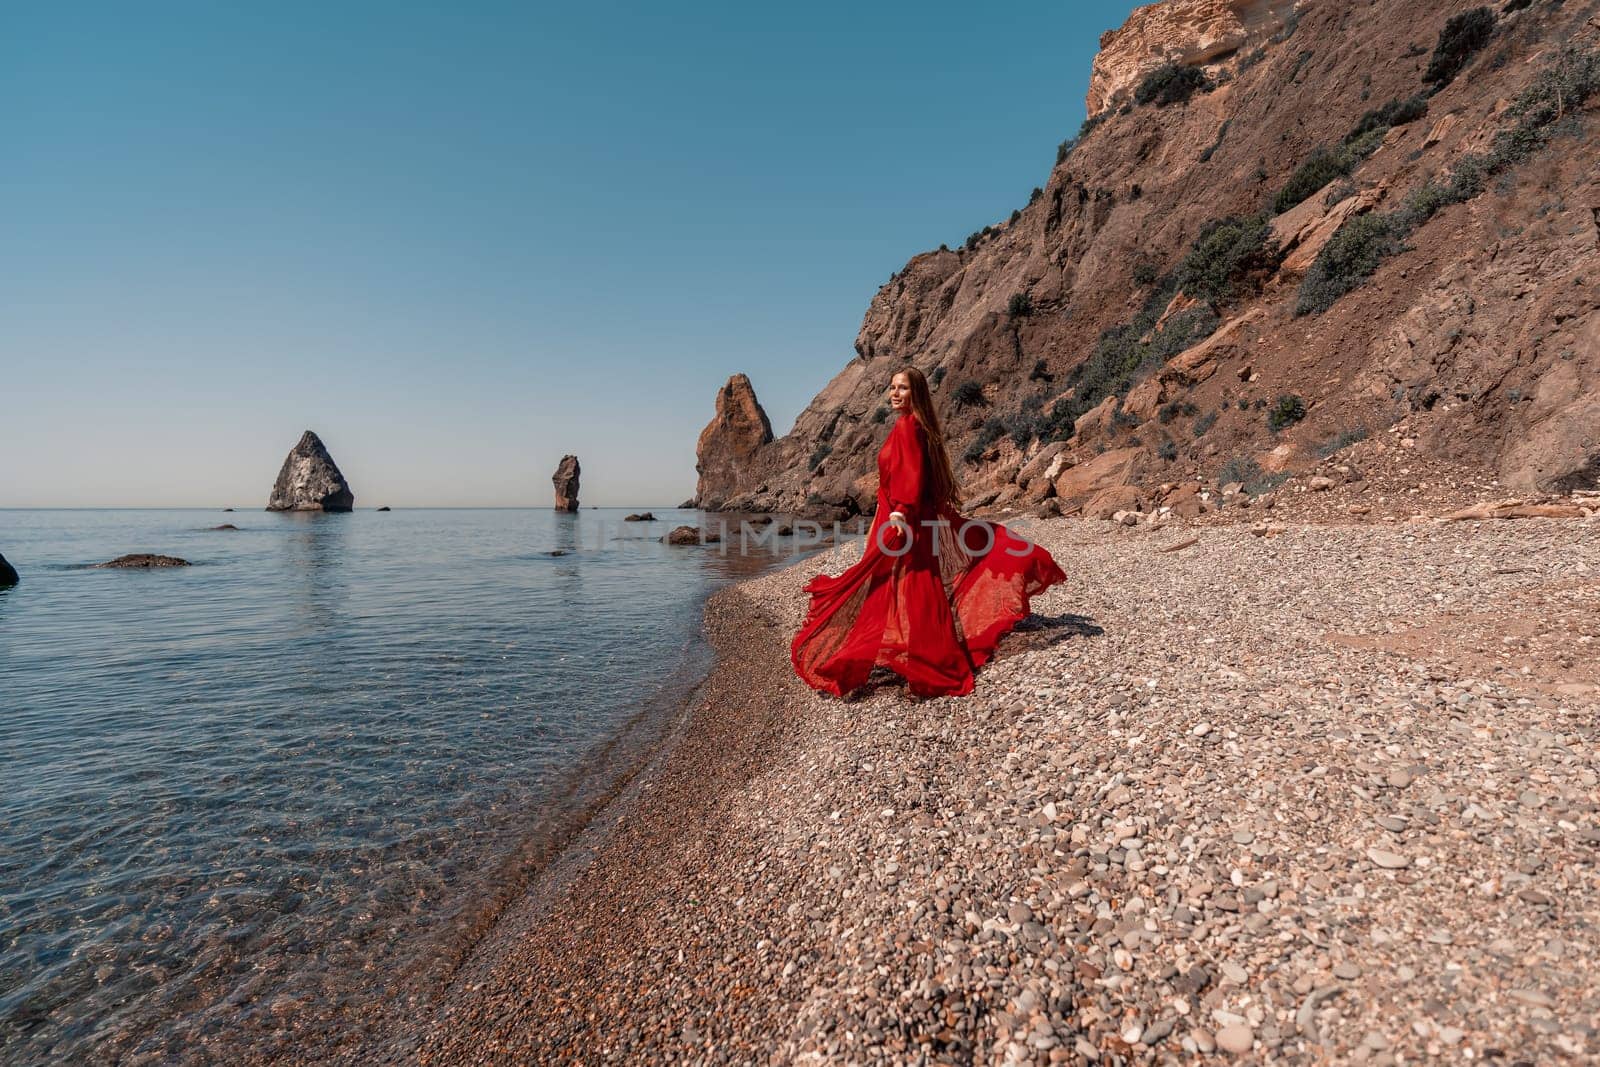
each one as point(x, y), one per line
point(729, 442)
point(1191, 32)
point(1483, 335)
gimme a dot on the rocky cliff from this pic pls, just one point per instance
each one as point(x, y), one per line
point(310, 480)
point(1189, 32)
point(1279, 232)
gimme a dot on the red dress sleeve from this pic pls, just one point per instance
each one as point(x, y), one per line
point(908, 459)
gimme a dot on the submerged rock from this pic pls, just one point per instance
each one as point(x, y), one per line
point(310, 480)
point(8, 573)
point(225, 526)
point(643, 516)
point(565, 480)
point(141, 560)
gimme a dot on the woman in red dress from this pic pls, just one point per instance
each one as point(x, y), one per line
point(933, 592)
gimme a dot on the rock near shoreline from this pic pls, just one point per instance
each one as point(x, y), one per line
point(729, 443)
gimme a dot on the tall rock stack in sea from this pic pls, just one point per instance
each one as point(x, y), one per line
point(729, 443)
point(565, 480)
point(310, 480)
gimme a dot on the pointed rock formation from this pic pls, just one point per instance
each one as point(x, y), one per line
point(310, 480)
point(566, 483)
point(729, 443)
point(8, 573)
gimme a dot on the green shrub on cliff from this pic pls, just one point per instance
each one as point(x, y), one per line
point(992, 430)
point(1362, 243)
point(1211, 149)
point(1127, 352)
point(1170, 83)
point(1174, 408)
point(1020, 306)
point(1323, 165)
point(1226, 253)
point(1340, 441)
point(1396, 112)
point(1462, 35)
point(969, 394)
point(1248, 473)
point(1347, 260)
point(1289, 410)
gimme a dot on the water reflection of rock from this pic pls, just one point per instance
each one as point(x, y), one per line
point(315, 558)
point(752, 544)
point(568, 548)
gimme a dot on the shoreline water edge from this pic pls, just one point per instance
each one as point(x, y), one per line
point(1143, 838)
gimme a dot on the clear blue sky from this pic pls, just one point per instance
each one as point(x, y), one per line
point(459, 240)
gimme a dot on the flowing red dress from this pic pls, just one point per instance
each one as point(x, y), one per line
point(932, 613)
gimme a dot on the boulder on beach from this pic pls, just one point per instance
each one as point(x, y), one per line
point(565, 480)
point(8, 573)
point(141, 560)
point(691, 535)
point(643, 516)
point(310, 480)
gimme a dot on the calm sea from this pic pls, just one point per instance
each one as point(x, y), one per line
point(244, 800)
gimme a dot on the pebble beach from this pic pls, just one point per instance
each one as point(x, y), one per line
point(1329, 795)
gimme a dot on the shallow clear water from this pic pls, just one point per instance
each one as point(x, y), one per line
point(242, 799)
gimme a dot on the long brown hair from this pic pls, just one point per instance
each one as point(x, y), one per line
point(942, 485)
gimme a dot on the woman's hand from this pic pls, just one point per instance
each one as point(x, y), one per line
point(899, 532)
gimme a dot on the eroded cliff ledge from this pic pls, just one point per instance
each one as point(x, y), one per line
point(1190, 32)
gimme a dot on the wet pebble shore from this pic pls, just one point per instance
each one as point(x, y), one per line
point(1326, 796)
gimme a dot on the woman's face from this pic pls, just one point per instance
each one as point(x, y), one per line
point(900, 393)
